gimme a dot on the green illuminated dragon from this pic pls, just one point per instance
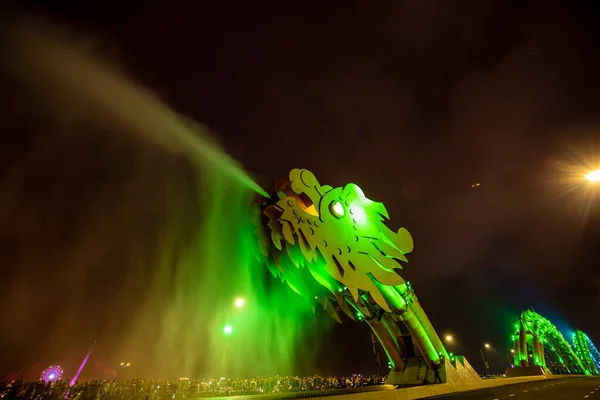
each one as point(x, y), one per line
point(331, 244)
point(535, 336)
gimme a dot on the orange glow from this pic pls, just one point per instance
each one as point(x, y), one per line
point(593, 176)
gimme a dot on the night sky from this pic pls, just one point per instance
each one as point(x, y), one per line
point(415, 101)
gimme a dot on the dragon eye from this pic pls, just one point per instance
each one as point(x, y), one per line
point(337, 209)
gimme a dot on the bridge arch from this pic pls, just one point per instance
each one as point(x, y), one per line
point(538, 343)
point(587, 352)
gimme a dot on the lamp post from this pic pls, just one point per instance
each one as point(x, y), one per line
point(511, 358)
point(485, 362)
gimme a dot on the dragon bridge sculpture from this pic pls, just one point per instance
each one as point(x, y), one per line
point(540, 348)
point(331, 246)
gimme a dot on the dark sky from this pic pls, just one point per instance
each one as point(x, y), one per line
point(414, 101)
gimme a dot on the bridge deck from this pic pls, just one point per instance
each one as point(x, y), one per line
point(305, 394)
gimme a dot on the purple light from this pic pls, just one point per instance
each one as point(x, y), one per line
point(81, 366)
point(51, 374)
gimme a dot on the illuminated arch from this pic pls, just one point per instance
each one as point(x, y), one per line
point(587, 352)
point(535, 337)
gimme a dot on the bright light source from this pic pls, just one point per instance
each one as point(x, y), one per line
point(593, 176)
point(487, 345)
point(239, 302)
point(449, 338)
point(358, 213)
point(227, 330)
point(512, 350)
point(337, 209)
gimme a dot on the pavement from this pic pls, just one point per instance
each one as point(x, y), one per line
point(548, 389)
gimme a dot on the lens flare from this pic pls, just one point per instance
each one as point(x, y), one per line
point(572, 180)
point(593, 176)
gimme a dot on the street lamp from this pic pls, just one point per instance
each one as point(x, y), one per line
point(511, 358)
point(485, 363)
point(449, 338)
point(593, 176)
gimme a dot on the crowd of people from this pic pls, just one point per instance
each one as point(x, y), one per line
point(184, 388)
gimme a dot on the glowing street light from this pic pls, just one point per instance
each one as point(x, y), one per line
point(227, 329)
point(486, 364)
point(593, 176)
point(239, 302)
point(449, 338)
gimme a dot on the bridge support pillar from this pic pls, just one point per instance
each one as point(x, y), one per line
point(428, 327)
point(388, 343)
point(394, 330)
point(523, 345)
point(535, 344)
point(421, 340)
point(517, 354)
point(542, 355)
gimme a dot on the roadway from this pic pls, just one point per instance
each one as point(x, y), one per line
point(547, 389)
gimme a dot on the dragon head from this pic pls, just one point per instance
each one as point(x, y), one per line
point(337, 234)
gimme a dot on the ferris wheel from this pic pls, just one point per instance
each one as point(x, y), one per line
point(51, 374)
